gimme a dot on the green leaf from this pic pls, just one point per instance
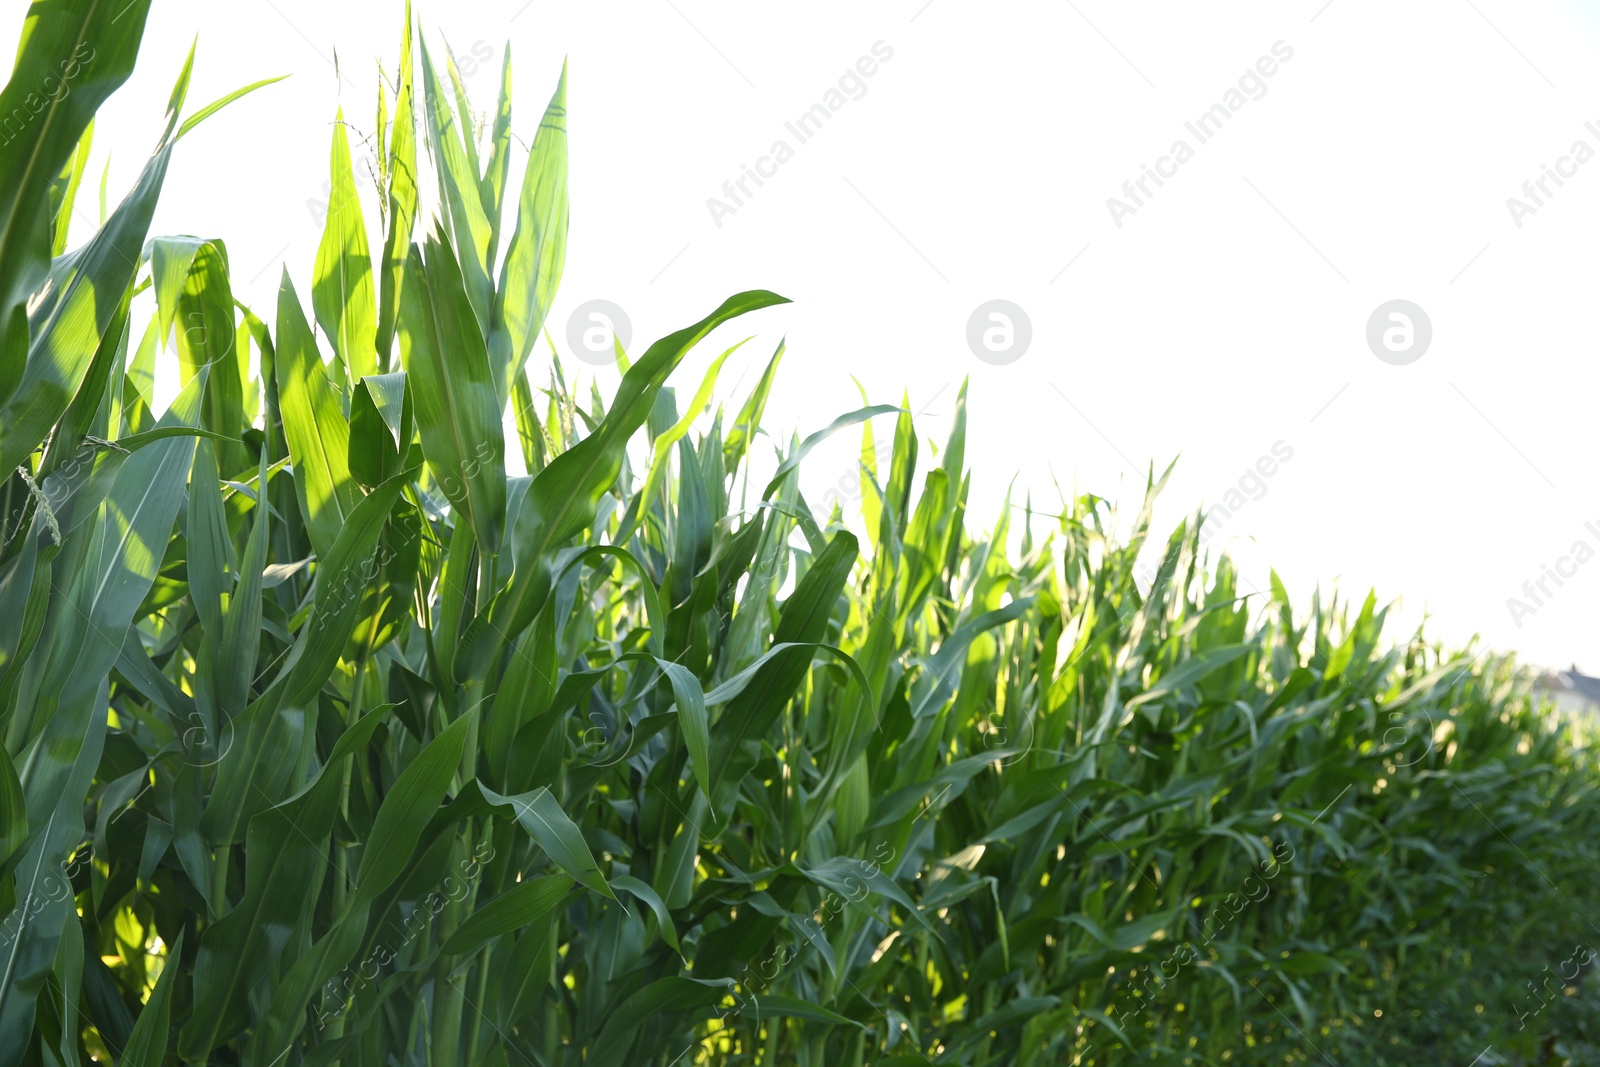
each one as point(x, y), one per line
point(540, 815)
point(285, 845)
point(59, 738)
point(852, 879)
point(389, 397)
point(665, 440)
point(350, 565)
point(457, 412)
point(342, 292)
point(147, 1047)
point(538, 249)
point(80, 313)
point(743, 432)
point(653, 900)
point(71, 58)
point(221, 102)
point(20, 587)
point(402, 193)
point(493, 186)
point(1190, 671)
point(206, 337)
point(210, 548)
point(694, 718)
point(521, 905)
point(794, 458)
point(622, 1024)
point(170, 260)
point(804, 619)
point(241, 628)
point(565, 495)
point(1311, 963)
point(380, 424)
point(250, 776)
point(776, 1006)
point(13, 815)
point(461, 196)
point(314, 426)
point(67, 185)
point(407, 809)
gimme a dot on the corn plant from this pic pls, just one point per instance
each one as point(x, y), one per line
point(329, 740)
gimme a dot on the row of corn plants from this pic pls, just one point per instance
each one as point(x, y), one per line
point(327, 740)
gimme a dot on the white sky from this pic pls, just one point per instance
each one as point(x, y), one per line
point(1228, 314)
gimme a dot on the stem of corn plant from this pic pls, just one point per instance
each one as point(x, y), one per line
point(552, 1032)
point(480, 958)
point(482, 995)
point(341, 884)
point(448, 996)
point(219, 878)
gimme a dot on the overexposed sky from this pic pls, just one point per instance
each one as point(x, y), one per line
point(1224, 319)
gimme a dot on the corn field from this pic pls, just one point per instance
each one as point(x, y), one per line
point(329, 741)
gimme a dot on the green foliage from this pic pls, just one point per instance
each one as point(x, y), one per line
point(328, 741)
